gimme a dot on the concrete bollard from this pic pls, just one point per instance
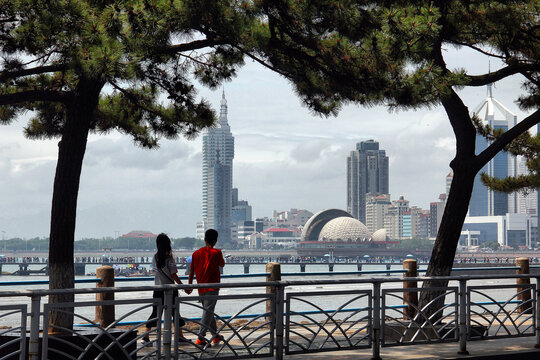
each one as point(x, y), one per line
point(525, 296)
point(105, 313)
point(274, 274)
point(410, 298)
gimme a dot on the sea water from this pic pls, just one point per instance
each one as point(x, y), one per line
point(244, 305)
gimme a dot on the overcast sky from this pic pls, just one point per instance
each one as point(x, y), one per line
point(285, 157)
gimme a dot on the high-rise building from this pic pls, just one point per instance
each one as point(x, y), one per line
point(485, 201)
point(367, 173)
point(218, 154)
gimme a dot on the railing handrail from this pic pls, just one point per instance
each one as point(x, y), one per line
point(282, 283)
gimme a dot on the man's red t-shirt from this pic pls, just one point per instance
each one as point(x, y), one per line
point(205, 263)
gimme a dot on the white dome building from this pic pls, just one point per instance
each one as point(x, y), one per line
point(346, 229)
point(379, 235)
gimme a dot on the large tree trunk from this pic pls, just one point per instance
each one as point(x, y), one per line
point(71, 149)
point(444, 250)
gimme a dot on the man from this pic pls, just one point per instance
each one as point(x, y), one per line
point(205, 264)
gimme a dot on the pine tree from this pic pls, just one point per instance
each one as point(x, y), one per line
point(393, 53)
point(80, 66)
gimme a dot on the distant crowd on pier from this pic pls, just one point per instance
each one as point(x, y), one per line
point(284, 259)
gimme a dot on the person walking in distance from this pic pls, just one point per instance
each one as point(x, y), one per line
point(205, 264)
point(164, 269)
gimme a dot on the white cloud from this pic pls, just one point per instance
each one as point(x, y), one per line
point(285, 157)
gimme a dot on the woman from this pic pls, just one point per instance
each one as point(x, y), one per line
point(164, 269)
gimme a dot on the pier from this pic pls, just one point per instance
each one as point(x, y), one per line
point(42, 268)
point(336, 317)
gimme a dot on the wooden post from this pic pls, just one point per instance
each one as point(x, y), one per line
point(525, 296)
point(410, 298)
point(105, 313)
point(274, 274)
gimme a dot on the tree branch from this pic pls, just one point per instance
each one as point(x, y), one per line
point(194, 45)
point(481, 80)
point(485, 156)
point(5, 75)
point(35, 95)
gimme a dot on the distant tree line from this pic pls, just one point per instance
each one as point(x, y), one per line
point(92, 244)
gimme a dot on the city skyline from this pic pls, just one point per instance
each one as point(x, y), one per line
point(285, 157)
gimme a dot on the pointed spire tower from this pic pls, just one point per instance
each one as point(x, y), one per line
point(486, 202)
point(218, 154)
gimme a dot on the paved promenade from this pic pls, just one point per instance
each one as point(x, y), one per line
point(496, 349)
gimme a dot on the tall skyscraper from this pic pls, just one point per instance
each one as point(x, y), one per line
point(367, 173)
point(218, 154)
point(485, 201)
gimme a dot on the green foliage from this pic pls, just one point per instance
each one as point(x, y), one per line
point(525, 145)
point(493, 245)
point(389, 52)
point(143, 54)
point(187, 243)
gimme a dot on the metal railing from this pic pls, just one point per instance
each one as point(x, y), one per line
point(297, 317)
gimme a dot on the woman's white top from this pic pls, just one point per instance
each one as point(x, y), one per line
point(164, 275)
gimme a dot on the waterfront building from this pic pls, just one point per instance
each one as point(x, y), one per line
point(484, 201)
point(241, 210)
point(510, 230)
point(292, 218)
point(449, 179)
point(139, 234)
point(281, 237)
point(397, 225)
point(527, 200)
point(335, 233)
point(243, 229)
point(376, 207)
point(367, 173)
point(217, 168)
point(415, 223)
point(436, 211)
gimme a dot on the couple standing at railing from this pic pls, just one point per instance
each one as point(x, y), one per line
point(205, 264)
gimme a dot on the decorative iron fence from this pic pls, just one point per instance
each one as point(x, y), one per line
point(296, 317)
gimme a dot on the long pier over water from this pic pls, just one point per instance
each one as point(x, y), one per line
point(39, 266)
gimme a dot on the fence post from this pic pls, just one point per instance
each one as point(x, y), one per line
point(462, 318)
point(167, 328)
point(537, 345)
point(280, 300)
point(523, 295)
point(376, 324)
point(410, 298)
point(105, 313)
point(33, 342)
point(273, 271)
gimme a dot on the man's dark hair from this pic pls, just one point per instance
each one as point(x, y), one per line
point(210, 237)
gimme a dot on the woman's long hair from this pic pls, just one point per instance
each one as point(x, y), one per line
point(164, 250)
